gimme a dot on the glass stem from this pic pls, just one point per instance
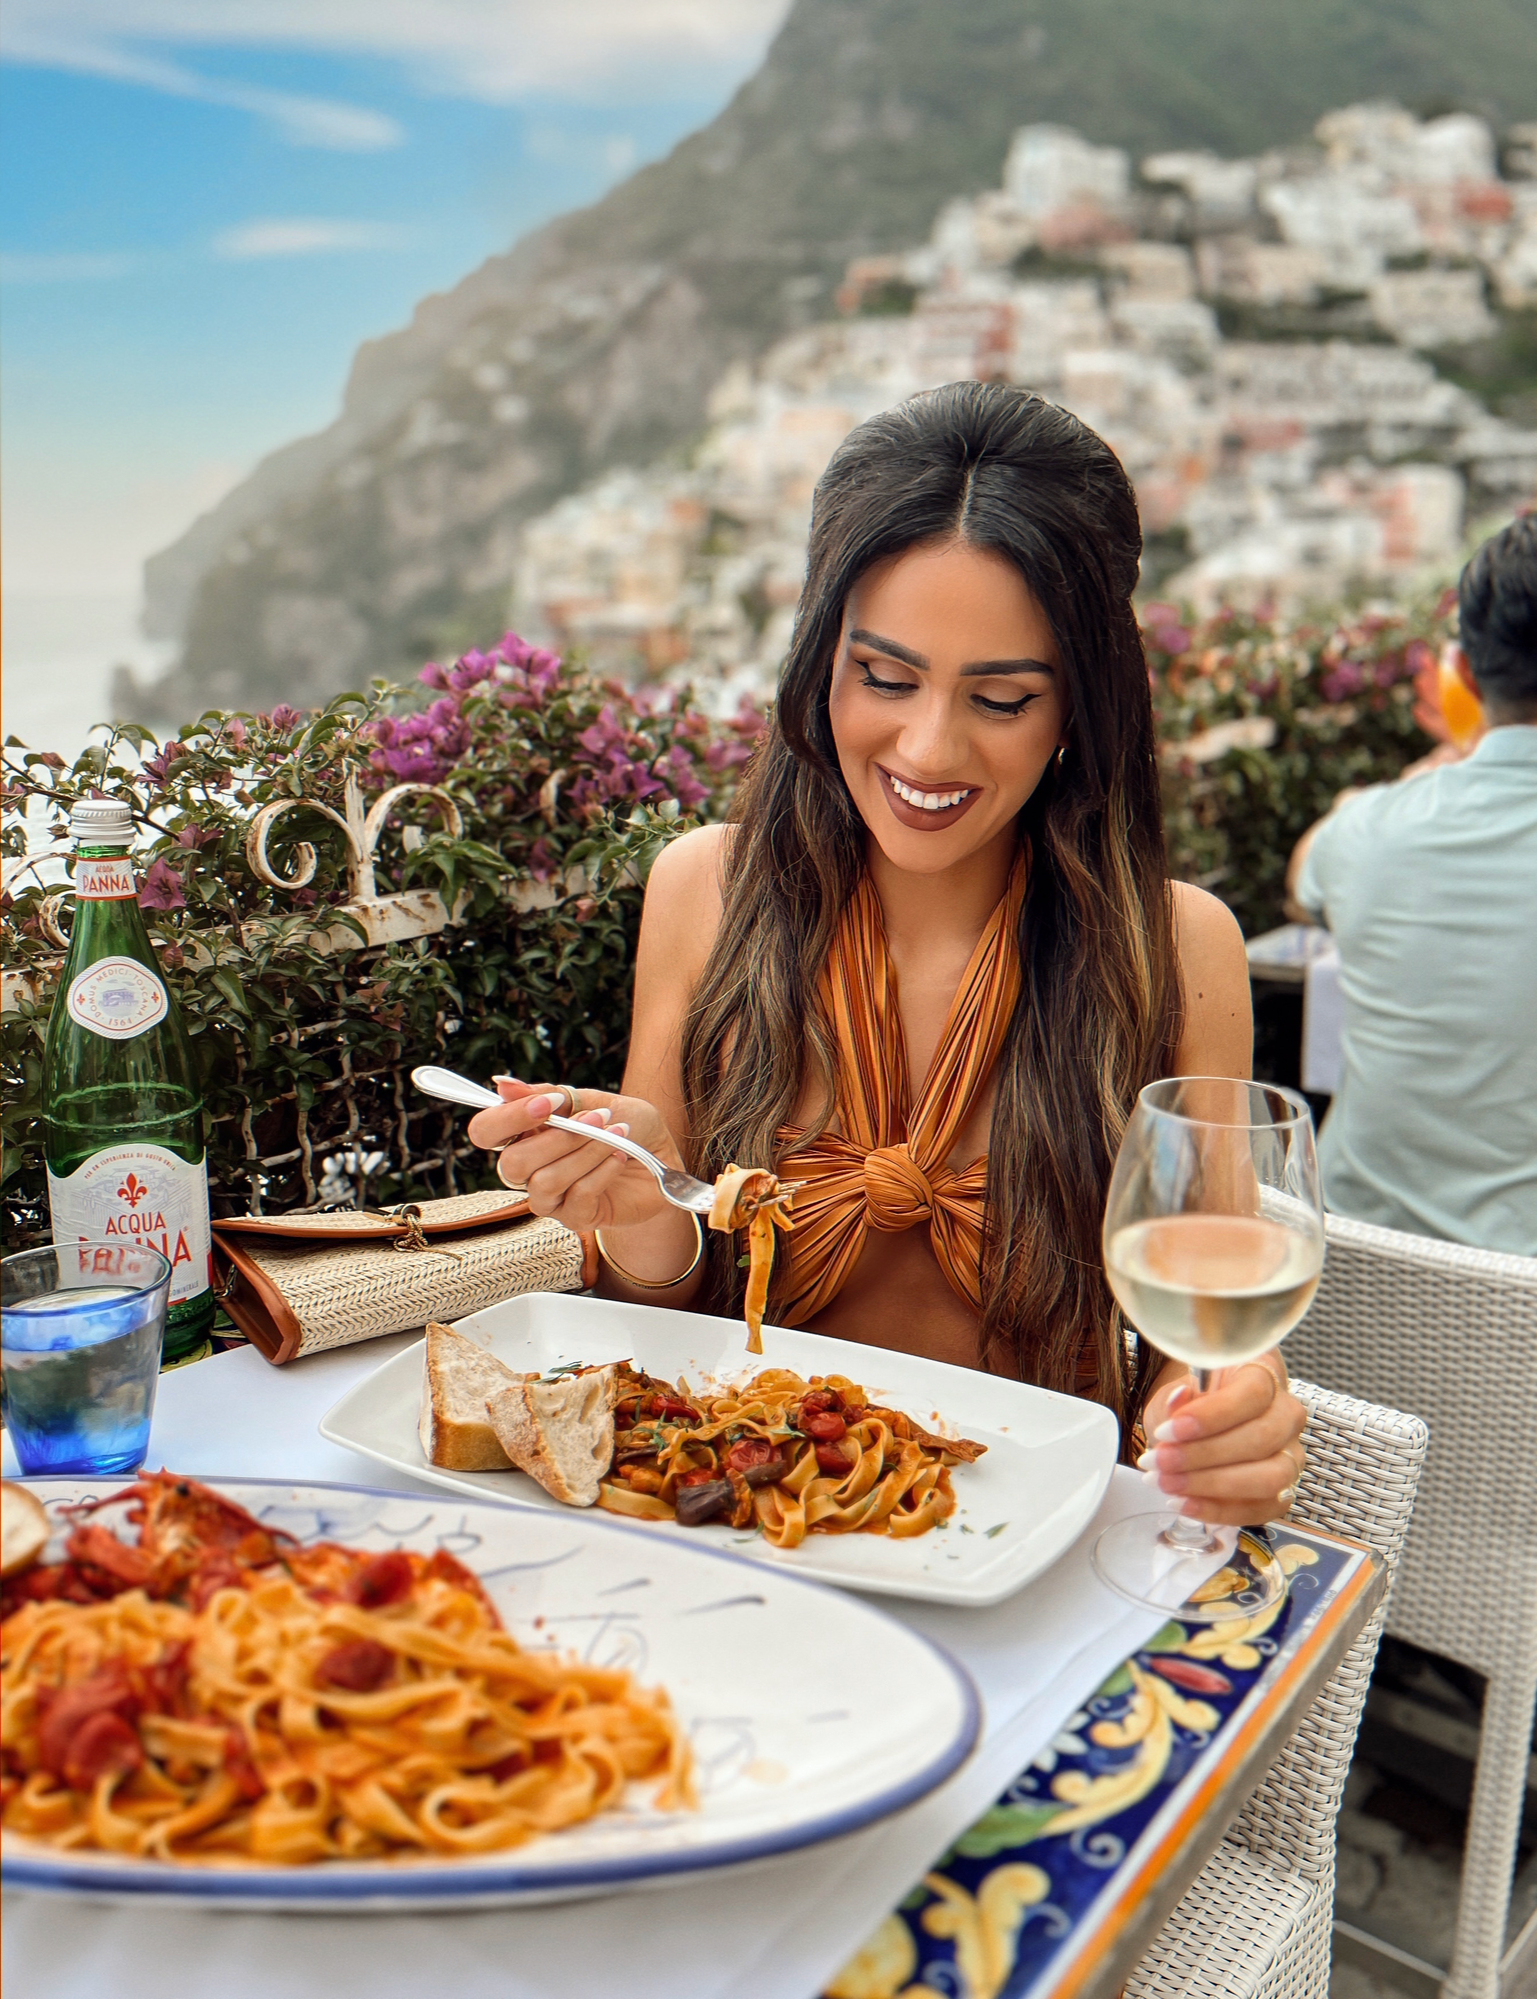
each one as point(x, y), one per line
point(1192, 1536)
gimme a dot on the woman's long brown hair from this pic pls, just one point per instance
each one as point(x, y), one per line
point(1099, 1009)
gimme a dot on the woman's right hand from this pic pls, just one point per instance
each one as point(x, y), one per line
point(581, 1184)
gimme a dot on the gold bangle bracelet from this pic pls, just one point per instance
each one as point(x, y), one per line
point(652, 1283)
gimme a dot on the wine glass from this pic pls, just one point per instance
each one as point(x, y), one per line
point(1214, 1245)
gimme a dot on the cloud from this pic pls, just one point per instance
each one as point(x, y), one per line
point(493, 50)
point(36, 40)
point(304, 236)
point(61, 267)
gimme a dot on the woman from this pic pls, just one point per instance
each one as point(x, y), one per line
point(929, 965)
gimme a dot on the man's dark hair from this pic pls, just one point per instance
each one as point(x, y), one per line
point(1497, 616)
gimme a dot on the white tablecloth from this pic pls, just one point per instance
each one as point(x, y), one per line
point(777, 1931)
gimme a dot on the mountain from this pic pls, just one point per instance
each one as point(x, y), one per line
point(595, 340)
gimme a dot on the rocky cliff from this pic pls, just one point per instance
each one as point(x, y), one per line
point(596, 340)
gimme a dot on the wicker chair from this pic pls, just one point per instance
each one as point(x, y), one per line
point(1258, 1920)
point(1452, 1334)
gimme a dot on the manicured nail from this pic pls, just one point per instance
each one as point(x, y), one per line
point(1148, 1461)
point(508, 1079)
point(599, 1116)
point(1177, 1430)
point(620, 1130)
point(1181, 1392)
point(1173, 1483)
point(1150, 1480)
point(540, 1106)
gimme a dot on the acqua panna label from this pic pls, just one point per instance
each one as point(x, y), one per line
point(105, 880)
point(141, 1195)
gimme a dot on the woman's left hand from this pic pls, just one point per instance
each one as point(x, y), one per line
point(1232, 1456)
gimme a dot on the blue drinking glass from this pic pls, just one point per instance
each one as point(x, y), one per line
point(80, 1354)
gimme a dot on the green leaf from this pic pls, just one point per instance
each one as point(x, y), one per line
point(228, 986)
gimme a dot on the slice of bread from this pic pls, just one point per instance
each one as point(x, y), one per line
point(560, 1432)
point(457, 1376)
point(23, 1528)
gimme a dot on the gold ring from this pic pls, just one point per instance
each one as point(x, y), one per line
point(1270, 1375)
point(572, 1110)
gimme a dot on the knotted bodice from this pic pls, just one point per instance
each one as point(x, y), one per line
point(884, 1164)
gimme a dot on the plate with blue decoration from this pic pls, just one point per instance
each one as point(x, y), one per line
point(781, 1757)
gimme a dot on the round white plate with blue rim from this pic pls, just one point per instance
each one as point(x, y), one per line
point(1049, 1457)
point(810, 1714)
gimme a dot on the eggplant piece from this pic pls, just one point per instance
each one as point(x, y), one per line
point(768, 1473)
point(695, 1504)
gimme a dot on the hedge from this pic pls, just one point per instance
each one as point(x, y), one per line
point(567, 786)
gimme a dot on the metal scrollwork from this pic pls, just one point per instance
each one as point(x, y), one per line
point(362, 831)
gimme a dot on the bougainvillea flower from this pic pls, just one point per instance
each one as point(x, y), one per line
point(158, 769)
point(161, 887)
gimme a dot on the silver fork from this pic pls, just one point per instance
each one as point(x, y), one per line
point(682, 1189)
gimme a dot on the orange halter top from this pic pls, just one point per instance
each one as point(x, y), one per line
point(883, 1165)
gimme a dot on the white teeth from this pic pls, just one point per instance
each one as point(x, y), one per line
point(928, 801)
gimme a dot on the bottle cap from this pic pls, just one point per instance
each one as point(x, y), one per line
point(101, 822)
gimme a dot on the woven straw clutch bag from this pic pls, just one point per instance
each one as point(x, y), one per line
point(298, 1284)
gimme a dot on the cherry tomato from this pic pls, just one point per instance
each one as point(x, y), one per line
point(825, 1428)
point(358, 1665)
point(383, 1579)
point(749, 1451)
point(832, 1460)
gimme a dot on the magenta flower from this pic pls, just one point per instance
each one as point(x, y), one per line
point(676, 770)
point(722, 756)
point(158, 769)
point(161, 888)
point(422, 748)
point(1342, 680)
point(282, 719)
point(528, 674)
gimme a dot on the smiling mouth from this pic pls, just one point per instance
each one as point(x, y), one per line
point(915, 805)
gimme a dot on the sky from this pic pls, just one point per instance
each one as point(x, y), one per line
point(205, 205)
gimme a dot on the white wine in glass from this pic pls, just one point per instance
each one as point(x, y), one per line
point(1213, 1248)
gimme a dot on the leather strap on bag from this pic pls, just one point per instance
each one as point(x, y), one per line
point(298, 1284)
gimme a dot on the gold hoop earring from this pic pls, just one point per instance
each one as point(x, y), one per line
point(1061, 754)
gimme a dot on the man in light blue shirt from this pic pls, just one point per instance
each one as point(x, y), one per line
point(1429, 886)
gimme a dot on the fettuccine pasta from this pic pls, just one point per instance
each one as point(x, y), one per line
point(747, 1197)
point(325, 1705)
point(789, 1455)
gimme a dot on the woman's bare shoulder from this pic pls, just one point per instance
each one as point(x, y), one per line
point(683, 899)
point(1203, 922)
point(1218, 1036)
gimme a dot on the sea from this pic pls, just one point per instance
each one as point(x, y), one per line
point(57, 654)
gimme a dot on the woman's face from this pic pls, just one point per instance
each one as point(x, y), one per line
point(947, 702)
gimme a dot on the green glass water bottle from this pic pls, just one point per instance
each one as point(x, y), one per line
point(122, 1114)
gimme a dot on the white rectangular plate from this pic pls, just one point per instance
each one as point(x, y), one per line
point(1048, 1461)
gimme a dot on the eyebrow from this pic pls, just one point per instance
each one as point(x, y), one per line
point(977, 668)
